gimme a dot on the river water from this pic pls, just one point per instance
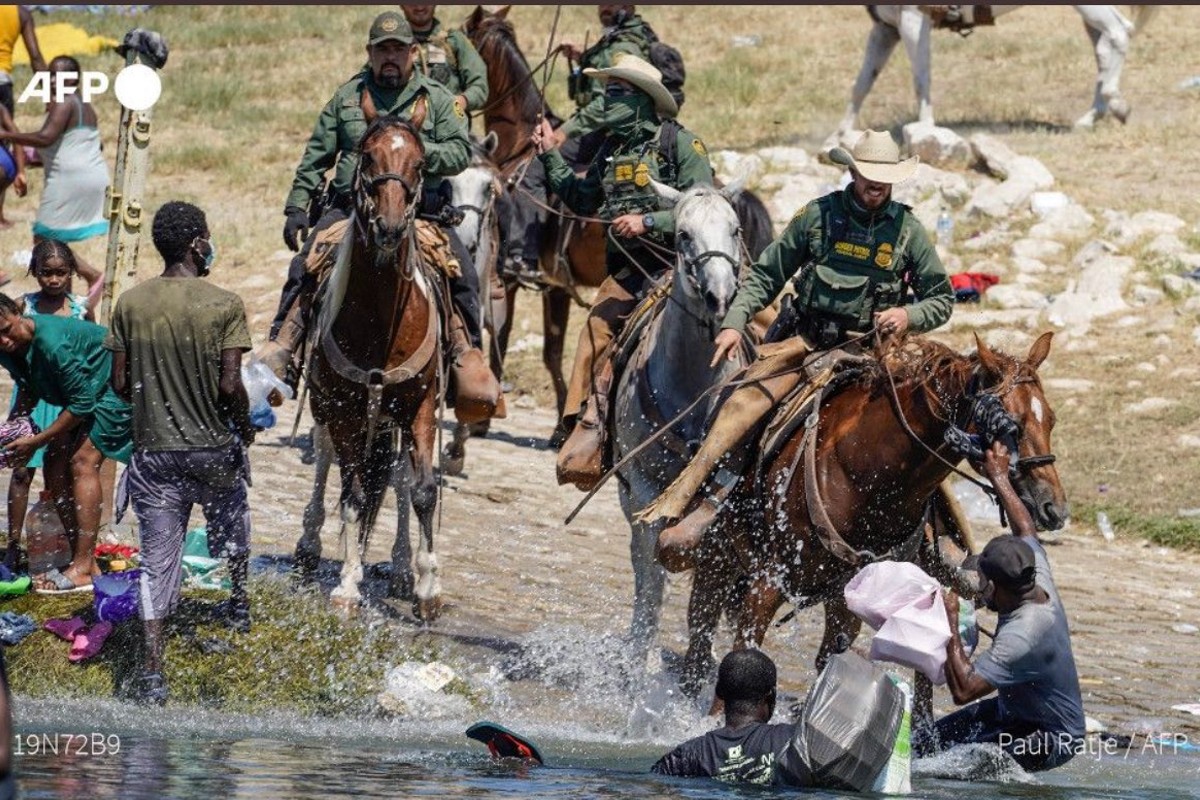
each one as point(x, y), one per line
point(175, 753)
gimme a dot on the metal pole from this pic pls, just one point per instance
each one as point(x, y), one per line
point(124, 203)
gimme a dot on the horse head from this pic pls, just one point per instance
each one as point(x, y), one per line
point(475, 189)
point(707, 244)
point(388, 179)
point(1019, 389)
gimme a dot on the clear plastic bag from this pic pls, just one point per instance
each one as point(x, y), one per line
point(260, 382)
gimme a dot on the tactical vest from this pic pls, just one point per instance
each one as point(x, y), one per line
point(439, 62)
point(627, 188)
point(858, 271)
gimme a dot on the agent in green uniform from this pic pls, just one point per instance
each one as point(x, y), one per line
point(63, 361)
point(448, 57)
point(644, 143)
point(395, 88)
point(853, 255)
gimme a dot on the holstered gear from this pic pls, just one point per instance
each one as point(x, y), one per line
point(475, 390)
point(583, 458)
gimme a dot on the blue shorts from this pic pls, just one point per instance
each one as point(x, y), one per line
point(8, 165)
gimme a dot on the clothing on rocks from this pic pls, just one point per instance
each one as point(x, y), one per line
point(44, 413)
point(72, 204)
point(172, 331)
point(66, 365)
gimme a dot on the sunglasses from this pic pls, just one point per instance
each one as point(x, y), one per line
point(614, 89)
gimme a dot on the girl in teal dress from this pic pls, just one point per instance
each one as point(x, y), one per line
point(53, 266)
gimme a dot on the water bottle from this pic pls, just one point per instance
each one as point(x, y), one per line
point(45, 537)
point(1106, 528)
point(945, 228)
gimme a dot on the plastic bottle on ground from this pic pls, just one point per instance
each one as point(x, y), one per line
point(945, 228)
point(1105, 526)
point(46, 540)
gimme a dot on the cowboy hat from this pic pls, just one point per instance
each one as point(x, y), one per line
point(642, 75)
point(876, 157)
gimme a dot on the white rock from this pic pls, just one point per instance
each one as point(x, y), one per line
point(1162, 340)
point(1040, 249)
point(1008, 318)
point(1009, 296)
point(1167, 244)
point(1196, 334)
point(1188, 440)
point(991, 239)
point(1188, 261)
point(1069, 384)
point(1131, 321)
point(1009, 341)
point(1192, 304)
point(1028, 266)
point(1178, 286)
point(1095, 293)
point(792, 196)
point(789, 158)
point(1149, 405)
point(1144, 223)
point(1000, 200)
point(940, 147)
point(950, 188)
point(731, 165)
point(1145, 366)
point(1147, 296)
point(1069, 222)
point(992, 155)
point(1026, 169)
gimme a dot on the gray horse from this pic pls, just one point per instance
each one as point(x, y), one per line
point(668, 372)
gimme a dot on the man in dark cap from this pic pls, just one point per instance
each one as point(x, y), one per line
point(1037, 714)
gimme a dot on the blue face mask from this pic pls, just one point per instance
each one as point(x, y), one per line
point(211, 256)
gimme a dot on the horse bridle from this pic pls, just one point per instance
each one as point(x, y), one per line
point(986, 404)
point(364, 200)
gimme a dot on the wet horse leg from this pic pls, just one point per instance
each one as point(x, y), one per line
point(649, 579)
point(556, 310)
point(1110, 42)
point(841, 629)
point(308, 550)
point(346, 596)
point(401, 585)
point(427, 603)
point(880, 44)
point(454, 454)
point(914, 32)
point(712, 582)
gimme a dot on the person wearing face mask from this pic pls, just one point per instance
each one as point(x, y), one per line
point(853, 257)
point(1037, 716)
point(177, 343)
point(644, 143)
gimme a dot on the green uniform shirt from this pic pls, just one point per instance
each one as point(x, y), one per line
point(631, 36)
point(341, 125)
point(449, 58)
point(66, 365)
point(172, 331)
point(848, 270)
point(618, 180)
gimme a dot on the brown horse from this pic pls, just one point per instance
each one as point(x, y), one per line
point(513, 109)
point(818, 510)
point(375, 374)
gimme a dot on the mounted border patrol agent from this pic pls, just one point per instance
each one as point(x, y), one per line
point(852, 255)
point(390, 85)
point(644, 144)
point(448, 57)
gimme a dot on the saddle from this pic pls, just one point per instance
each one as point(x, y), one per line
point(433, 245)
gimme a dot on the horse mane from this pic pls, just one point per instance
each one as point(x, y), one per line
point(492, 28)
point(387, 122)
point(918, 362)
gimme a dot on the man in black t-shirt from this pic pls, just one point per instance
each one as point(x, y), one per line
point(748, 749)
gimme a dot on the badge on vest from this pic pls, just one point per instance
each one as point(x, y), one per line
point(641, 176)
point(623, 173)
point(436, 55)
point(884, 257)
point(698, 146)
point(852, 250)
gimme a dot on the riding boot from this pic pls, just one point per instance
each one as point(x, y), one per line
point(581, 459)
point(476, 391)
point(676, 547)
point(281, 353)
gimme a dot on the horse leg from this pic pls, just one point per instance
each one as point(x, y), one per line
point(308, 549)
point(880, 43)
point(401, 585)
point(711, 582)
point(1110, 42)
point(762, 600)
point(556, 309)
point(428, 602)
point(914, 32)
point(841, 629)
point(454, 455)
point(649, 579)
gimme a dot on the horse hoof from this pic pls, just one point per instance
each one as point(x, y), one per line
point(304, 564)
point(344, 606)
point(452, 465)
point(427, 610)
point(480, 429)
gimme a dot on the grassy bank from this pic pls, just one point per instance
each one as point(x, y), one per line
point(1169, 530)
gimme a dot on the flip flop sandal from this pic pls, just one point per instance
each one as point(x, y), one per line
point(503, 743)
point(62, 584)
point(65, 629)
point(89, 641)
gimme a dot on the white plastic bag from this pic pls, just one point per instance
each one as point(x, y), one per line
point(881, 589)
point(896, 777)
point(916, 636)
point(259, 381)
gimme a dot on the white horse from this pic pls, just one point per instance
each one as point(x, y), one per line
point(1108, 28)
point(475, 191)
point(666, 373)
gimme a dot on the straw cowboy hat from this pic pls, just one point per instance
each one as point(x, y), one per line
point(644, 76)
point(876, 157)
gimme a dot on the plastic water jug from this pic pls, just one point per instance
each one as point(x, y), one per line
point(45, 538)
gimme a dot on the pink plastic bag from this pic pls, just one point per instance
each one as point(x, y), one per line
point(881, 589)
point(916, 636)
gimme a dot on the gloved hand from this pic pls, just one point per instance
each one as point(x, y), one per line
point(297, 223)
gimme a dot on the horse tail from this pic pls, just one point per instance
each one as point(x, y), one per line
point(1142, 16)
point(757, 228)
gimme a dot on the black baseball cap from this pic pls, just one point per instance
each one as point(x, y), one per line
point(390, 25)
point(1006, 561)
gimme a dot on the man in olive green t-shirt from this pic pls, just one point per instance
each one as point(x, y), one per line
point(177, 343)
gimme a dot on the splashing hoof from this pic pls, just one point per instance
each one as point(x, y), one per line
point(345, 606)
point(453, 460)
point(304, 563)
point(428, 610)
point(1120, 109)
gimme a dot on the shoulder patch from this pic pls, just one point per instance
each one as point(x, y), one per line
point(699, 147)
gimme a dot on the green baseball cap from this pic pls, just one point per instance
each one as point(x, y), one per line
point(390, 25)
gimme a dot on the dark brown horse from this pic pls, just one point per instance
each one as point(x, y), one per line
point(811, 518)
point(375, 376)
point(513, 109)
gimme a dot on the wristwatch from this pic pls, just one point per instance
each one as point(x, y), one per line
point(648, 221)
